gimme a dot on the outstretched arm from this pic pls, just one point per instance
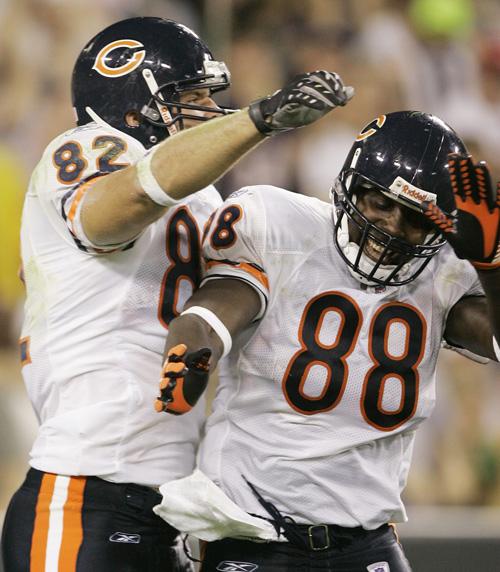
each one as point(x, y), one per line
point(117, 209)
point(474, 234)
point(194, 347)
point(119, 206)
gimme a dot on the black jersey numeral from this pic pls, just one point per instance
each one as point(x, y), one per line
point(224, 235)
point(333, 358)
point(182, 232)
point(70, 161)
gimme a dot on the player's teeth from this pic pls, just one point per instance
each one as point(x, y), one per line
point(375, 245)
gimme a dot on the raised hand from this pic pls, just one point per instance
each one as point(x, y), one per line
point(307, 98)
point(183, 379)
point(474, 230)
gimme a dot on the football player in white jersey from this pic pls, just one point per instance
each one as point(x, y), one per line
point(336, 314)
point(111, 236)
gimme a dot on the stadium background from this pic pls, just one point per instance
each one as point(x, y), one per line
point(440, 56)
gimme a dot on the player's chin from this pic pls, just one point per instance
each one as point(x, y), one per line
point(188, 123)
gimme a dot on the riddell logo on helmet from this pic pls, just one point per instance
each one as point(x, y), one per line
point(134, 62)
point(411, 193)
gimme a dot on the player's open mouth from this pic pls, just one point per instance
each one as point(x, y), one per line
point(374, 250)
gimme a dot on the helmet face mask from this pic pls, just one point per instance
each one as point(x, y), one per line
point(404, 156)
point(164, 108)
point(393, 261)
point(168, 96)
point(143, 66)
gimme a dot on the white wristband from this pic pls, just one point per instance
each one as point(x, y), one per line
point(217, 326)
point(149, 183)
point(496, 348)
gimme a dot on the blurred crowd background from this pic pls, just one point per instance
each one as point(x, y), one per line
point(438, 56)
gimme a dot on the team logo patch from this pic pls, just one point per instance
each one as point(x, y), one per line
point(135, 60)
point(371, 128)
point(233, 566)
point(378, 567)
point(125, 538)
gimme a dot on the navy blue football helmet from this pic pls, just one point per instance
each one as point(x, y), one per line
point(404, 155)
point(142, 65)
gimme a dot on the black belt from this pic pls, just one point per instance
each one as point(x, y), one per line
point(311, 536)
point(324, 536)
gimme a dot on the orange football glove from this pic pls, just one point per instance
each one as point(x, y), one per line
point(184, 378)
point(474, 231)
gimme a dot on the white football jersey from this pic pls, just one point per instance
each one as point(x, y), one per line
point(319, 401)
point(96, 320)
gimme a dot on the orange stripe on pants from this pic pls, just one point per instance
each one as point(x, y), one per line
point(41, 527)
point(72, 525)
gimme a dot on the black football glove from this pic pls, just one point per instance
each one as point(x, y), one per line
point(474, 231)
point(183, 379)
point(305, 99)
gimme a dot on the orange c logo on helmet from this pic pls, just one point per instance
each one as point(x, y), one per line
point(102, 67)
point(371, 128)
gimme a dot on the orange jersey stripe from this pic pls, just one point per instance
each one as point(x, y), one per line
point(76, 201)
point(72, 536)
point(24, 346)
point(79, 196)
point(41, 527)
point(260, 276)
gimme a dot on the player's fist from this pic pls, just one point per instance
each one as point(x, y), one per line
point(474, 232)
point(305, 99)
point(184, 378)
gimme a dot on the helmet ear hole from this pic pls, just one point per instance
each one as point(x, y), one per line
point(132, 118)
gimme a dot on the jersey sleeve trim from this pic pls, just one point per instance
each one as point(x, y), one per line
point(255, 271)
point(465, 352)
point(249, 273)
point(71, 206)
point(75, 201)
